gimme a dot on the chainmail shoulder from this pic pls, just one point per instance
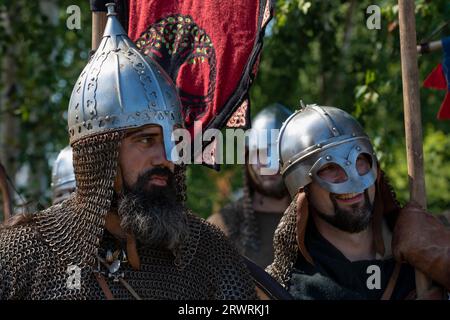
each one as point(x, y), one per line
point(285, 246)
point(223, 262)
point(41, 253)
point(19, 248)
point(32, 266)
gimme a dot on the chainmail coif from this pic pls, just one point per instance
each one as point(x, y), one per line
point(285, 245)
point(35, 255)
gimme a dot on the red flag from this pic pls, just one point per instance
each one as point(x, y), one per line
point(436, 79)
point(439, 79)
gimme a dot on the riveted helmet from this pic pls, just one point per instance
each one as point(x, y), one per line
point(316, 136)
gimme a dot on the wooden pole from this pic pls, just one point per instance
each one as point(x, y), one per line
point(98, 26)
point(6, 195)
point(412, 115)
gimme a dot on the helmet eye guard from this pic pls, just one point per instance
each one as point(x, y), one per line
point(339, 171)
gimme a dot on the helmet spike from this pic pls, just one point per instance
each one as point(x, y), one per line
point(111, 7)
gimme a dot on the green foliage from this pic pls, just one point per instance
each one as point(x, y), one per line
point(209, 190)
point(48, 59)
point(437, 170)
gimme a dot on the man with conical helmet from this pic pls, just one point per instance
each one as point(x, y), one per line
point(125, 233)
point(334, 240)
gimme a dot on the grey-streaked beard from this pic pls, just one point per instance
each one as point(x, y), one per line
point(153, 213)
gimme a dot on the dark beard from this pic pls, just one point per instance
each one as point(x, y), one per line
point(153, 213)
point(275, 190)
point(352, 222)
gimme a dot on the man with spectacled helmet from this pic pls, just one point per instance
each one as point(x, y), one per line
point(344, 235)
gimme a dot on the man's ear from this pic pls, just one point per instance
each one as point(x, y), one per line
point(118, 181)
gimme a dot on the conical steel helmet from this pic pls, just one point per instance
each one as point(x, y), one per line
point(121, 88)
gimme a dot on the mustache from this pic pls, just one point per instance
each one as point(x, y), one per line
point(143, 178)
point(158, 171)
point(365, 192)
point(335, 195)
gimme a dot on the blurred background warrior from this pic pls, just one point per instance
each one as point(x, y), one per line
point(63, 176)
point(250, 221)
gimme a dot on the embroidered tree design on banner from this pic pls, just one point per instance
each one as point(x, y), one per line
point(184, 50)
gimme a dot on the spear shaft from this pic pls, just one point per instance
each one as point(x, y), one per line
point(412, 116)
point(4, 188)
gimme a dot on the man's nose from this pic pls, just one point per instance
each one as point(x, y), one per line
point(160, 159)
point(341, 176)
